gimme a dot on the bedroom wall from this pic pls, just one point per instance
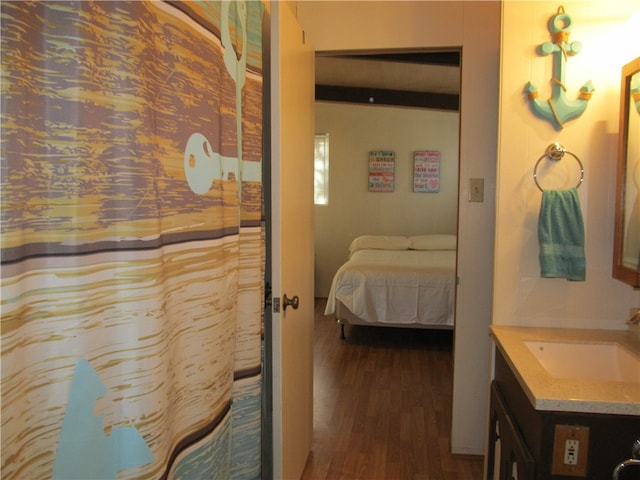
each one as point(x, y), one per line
point(355, 130)
point(608, 40)
point(475, 26)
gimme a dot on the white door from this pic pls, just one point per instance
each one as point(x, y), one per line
point(292, 133)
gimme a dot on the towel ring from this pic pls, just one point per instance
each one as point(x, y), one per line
point(556, 152)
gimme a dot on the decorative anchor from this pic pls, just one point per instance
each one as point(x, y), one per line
point(558, 109)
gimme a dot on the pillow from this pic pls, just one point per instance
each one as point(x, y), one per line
point(379, 242)
point(433, 242)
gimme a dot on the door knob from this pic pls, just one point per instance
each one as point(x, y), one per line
point(293, 302)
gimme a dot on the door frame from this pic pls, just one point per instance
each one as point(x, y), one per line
point(267, 335)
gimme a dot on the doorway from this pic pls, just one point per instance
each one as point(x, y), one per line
point(355, 91)
point(402, 101)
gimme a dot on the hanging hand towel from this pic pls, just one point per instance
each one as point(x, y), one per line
point(561, 235)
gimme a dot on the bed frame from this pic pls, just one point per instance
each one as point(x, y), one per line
point(345, 316)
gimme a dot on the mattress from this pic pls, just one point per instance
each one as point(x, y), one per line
point(396, 287)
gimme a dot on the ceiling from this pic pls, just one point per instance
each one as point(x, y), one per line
point(421, 79)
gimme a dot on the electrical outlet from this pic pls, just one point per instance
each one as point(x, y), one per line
point(570, 450)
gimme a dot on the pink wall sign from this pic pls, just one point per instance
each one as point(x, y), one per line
point(426, 171)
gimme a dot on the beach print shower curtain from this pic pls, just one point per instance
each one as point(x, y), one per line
point(132, 242)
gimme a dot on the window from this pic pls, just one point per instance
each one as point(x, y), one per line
point(321, 170)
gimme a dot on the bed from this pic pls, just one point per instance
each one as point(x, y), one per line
point(396, 281)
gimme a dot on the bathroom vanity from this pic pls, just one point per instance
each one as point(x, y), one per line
point(565, 403)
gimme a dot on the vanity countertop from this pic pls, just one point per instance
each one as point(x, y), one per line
point(561, 394)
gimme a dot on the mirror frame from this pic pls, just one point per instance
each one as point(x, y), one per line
point(621, 272)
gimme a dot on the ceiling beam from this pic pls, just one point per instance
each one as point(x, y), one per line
point(376, 96)
point(443, 58)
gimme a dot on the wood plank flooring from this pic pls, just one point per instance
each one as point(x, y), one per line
point(382, 405)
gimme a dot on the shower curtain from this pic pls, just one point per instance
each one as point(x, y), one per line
point(132, 239)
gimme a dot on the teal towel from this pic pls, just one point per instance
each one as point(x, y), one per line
point(561, 235)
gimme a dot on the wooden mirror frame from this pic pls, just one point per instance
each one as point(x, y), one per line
point(621, 272)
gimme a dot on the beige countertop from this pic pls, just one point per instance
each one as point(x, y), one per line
point(568, 395)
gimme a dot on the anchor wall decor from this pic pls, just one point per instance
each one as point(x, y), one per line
point(558, 109)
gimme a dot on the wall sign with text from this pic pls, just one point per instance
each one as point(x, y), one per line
point(426, 171)
point(381, 170)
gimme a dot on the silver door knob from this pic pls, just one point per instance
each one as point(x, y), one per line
point(293, 302)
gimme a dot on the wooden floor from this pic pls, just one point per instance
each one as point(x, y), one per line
point(382, 405)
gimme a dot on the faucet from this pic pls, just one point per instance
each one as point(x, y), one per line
point(635, 318)
point(635, 451)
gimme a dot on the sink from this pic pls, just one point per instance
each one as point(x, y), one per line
point(586, 361)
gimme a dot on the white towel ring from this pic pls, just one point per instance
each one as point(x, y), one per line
point(556, 152)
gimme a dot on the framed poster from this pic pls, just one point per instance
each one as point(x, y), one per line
point(381, 170)
point(426, 171)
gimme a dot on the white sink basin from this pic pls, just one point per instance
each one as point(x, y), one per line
point(586, 361)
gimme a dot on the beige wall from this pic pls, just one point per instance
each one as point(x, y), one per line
point(354, 130)
point(521, 297)
point(473, 25)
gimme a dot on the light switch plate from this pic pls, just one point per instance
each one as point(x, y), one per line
point(476, 189)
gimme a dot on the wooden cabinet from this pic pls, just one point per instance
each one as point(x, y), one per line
point(521, 439)
point(509, 455)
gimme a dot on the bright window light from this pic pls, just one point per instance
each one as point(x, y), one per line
point(321, 170)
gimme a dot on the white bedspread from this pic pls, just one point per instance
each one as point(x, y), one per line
point(397, 286)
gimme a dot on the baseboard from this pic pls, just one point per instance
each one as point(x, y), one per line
point(467, 450)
